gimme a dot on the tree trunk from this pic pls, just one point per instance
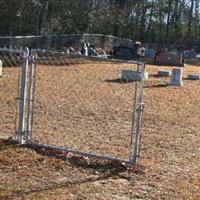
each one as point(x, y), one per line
point(168, 21)
point(190, 23)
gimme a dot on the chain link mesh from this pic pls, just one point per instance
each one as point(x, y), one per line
point(9, 86)
point(83, 104)
point(74, 101)
point(62, 41)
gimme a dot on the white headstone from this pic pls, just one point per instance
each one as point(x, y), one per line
point(177, 74)
point(1, 65)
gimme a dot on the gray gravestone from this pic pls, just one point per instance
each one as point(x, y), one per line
point(149, 53)
point(131, 75)
point(189, 54)
point(177, 77)
point(170, 59)
point(163, 73)
point(193, 77)
point(124, 53)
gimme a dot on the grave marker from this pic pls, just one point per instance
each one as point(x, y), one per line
point(131, 75)
point(163, 73)
point(193, 77)
point(149, 53)
point(124, 53)
point(170, 59)
point(177, 77)
point(189, 54)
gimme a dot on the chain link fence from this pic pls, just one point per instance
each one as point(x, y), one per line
point(11, 57)
point(62, 42)
point(82, 105)
point(71, 102)
point(9, 86)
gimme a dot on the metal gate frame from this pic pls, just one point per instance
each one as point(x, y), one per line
point(26, 111)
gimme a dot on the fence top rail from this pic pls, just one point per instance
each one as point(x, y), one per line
point(96, 58)
point(63, 35)
point(11, 50)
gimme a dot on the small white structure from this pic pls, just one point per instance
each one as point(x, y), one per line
point(1, 66)
point(131, 75)
point(177, 74)
point(193, 77)
point(164, 73)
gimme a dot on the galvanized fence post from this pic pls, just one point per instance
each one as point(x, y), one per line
point(30, 97)
point(137, 117)
point(22, 108)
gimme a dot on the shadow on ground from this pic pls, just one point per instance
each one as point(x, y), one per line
point(160, 85)
point(105, 169)
point(118, 80)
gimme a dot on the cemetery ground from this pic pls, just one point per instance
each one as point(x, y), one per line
point(169, 167)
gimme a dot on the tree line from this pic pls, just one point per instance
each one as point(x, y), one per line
point(150, 21)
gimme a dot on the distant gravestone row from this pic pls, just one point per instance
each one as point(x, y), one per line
point(177, 76)
point(172, 58)
point(175, 59)
point(128, 53)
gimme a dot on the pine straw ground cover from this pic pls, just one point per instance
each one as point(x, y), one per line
point(169, 167)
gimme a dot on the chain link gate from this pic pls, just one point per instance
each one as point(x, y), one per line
point(79, 104)
point(11, 61)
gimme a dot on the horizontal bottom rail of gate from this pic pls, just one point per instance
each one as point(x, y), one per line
point(81, 153)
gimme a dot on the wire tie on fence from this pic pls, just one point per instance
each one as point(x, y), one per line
point(140, 108)
point(18, 98)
